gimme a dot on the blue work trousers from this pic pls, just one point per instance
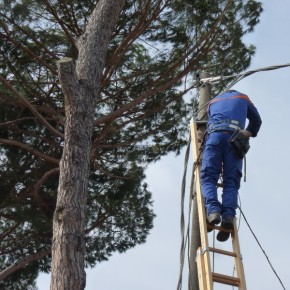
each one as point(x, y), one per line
point(218, 159)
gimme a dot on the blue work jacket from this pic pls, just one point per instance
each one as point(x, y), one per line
point(230, 110)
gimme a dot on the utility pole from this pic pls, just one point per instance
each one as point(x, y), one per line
point(204, 97)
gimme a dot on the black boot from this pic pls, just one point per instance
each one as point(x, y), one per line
point(227, 224)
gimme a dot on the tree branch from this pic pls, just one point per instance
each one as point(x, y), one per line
point(139, 28)
point(30, 107)
point(30, 149)
point(23, 262)
point(157, 88)
point(29, 34)
point(61, 23)
point(8, 232)
point(25, 48)
point(43, 179)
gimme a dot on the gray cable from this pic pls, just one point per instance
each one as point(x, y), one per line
point(262, 249)
point(183, 239)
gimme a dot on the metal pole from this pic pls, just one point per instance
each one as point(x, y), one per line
point(204, 97)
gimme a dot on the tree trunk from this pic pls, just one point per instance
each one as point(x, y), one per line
point(80, 85)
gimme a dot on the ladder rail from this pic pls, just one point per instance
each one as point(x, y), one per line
point(238, 259)
point(205, 263)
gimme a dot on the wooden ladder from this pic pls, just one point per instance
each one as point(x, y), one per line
point(206, 277)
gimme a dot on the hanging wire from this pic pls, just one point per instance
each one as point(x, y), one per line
point(182, 223)
point(185, 238)
point(191, 196)
point(240, 214)
point(262, 249)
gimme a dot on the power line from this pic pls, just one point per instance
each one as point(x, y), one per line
point(262, 249)
point(238, 77)
point(245, 74)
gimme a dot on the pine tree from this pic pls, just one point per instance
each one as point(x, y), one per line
point(137, 109)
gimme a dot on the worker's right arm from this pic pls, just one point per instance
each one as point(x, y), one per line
point(255, 120)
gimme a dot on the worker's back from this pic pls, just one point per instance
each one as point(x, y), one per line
point(230, 110)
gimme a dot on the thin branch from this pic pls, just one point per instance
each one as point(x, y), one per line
point(146, 95)
point(61, 23)
point(8, 232)
point(103, 217)
point(30, 149)
point(27, 33)
point(30, 107)
point(139, 28)
point(25, 48)
point(199, 48)
point(23, 262)
point(43, 179)
point(9, 123)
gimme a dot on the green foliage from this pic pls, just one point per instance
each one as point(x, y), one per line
point(153, 56)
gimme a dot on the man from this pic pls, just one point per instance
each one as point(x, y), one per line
point(227, 113)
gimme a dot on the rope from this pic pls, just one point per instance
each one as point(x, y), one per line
point(262, 249)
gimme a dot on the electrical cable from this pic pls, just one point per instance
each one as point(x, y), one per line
point(191, 195)
point(185, 239)
point(182, 223)
point(262, 249)
point(243, 75)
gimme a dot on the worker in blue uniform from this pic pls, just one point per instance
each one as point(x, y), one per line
point(227, 113)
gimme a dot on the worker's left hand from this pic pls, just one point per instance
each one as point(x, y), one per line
point(247, 133)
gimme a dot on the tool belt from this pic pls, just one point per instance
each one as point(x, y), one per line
point(226, 124)
point(240, 143)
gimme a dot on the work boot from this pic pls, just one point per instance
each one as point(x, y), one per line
point(213, 219)
point(227, 224)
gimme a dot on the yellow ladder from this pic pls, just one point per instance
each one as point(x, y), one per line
point(206, 277)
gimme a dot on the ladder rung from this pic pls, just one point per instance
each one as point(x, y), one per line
point(223, 252)
point(224, 279)
point(219, 228)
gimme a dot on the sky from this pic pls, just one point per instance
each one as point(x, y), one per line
point(265, 196)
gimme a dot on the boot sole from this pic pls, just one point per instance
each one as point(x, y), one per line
point(222, 236)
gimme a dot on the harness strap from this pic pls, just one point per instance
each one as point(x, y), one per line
point(227, 124)
point(217, 99)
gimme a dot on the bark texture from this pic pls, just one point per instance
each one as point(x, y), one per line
point(80, 83)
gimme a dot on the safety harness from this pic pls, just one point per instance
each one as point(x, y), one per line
point(225, 124)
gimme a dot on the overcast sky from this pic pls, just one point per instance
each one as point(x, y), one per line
point(265, 196)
